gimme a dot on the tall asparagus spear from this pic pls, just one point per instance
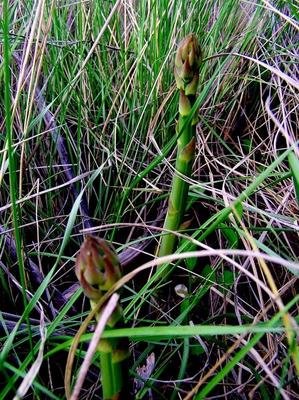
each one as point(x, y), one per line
point(97, 269)
point(186, 72)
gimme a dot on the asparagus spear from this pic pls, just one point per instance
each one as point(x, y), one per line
point(97, 269)
point(186, 72)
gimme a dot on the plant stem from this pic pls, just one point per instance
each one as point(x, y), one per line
point(113, 355)
point(97, 269)
point(186, 73)
point(179, 190)
point(106, 375)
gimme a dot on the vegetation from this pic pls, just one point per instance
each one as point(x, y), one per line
point(186, 72)
point(88, 118)
point(97, 269)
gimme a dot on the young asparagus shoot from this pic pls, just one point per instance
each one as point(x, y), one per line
point(186, 72)
point(97, 269)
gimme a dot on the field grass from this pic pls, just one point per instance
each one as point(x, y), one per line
point(88, 118)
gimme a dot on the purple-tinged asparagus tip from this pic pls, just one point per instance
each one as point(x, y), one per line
point(97, 267)
point(187, 61)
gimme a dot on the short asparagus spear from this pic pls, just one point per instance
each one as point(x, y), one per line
point(97, 269)
point(186, 72)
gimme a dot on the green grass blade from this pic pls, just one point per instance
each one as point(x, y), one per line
point(294, 166)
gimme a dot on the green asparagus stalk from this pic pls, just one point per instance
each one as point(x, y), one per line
point(186, 72)
point(97, 269)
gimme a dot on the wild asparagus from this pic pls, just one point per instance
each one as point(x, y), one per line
point(97, 269)
point(186, 72)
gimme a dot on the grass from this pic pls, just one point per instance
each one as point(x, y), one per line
point(88, 144)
